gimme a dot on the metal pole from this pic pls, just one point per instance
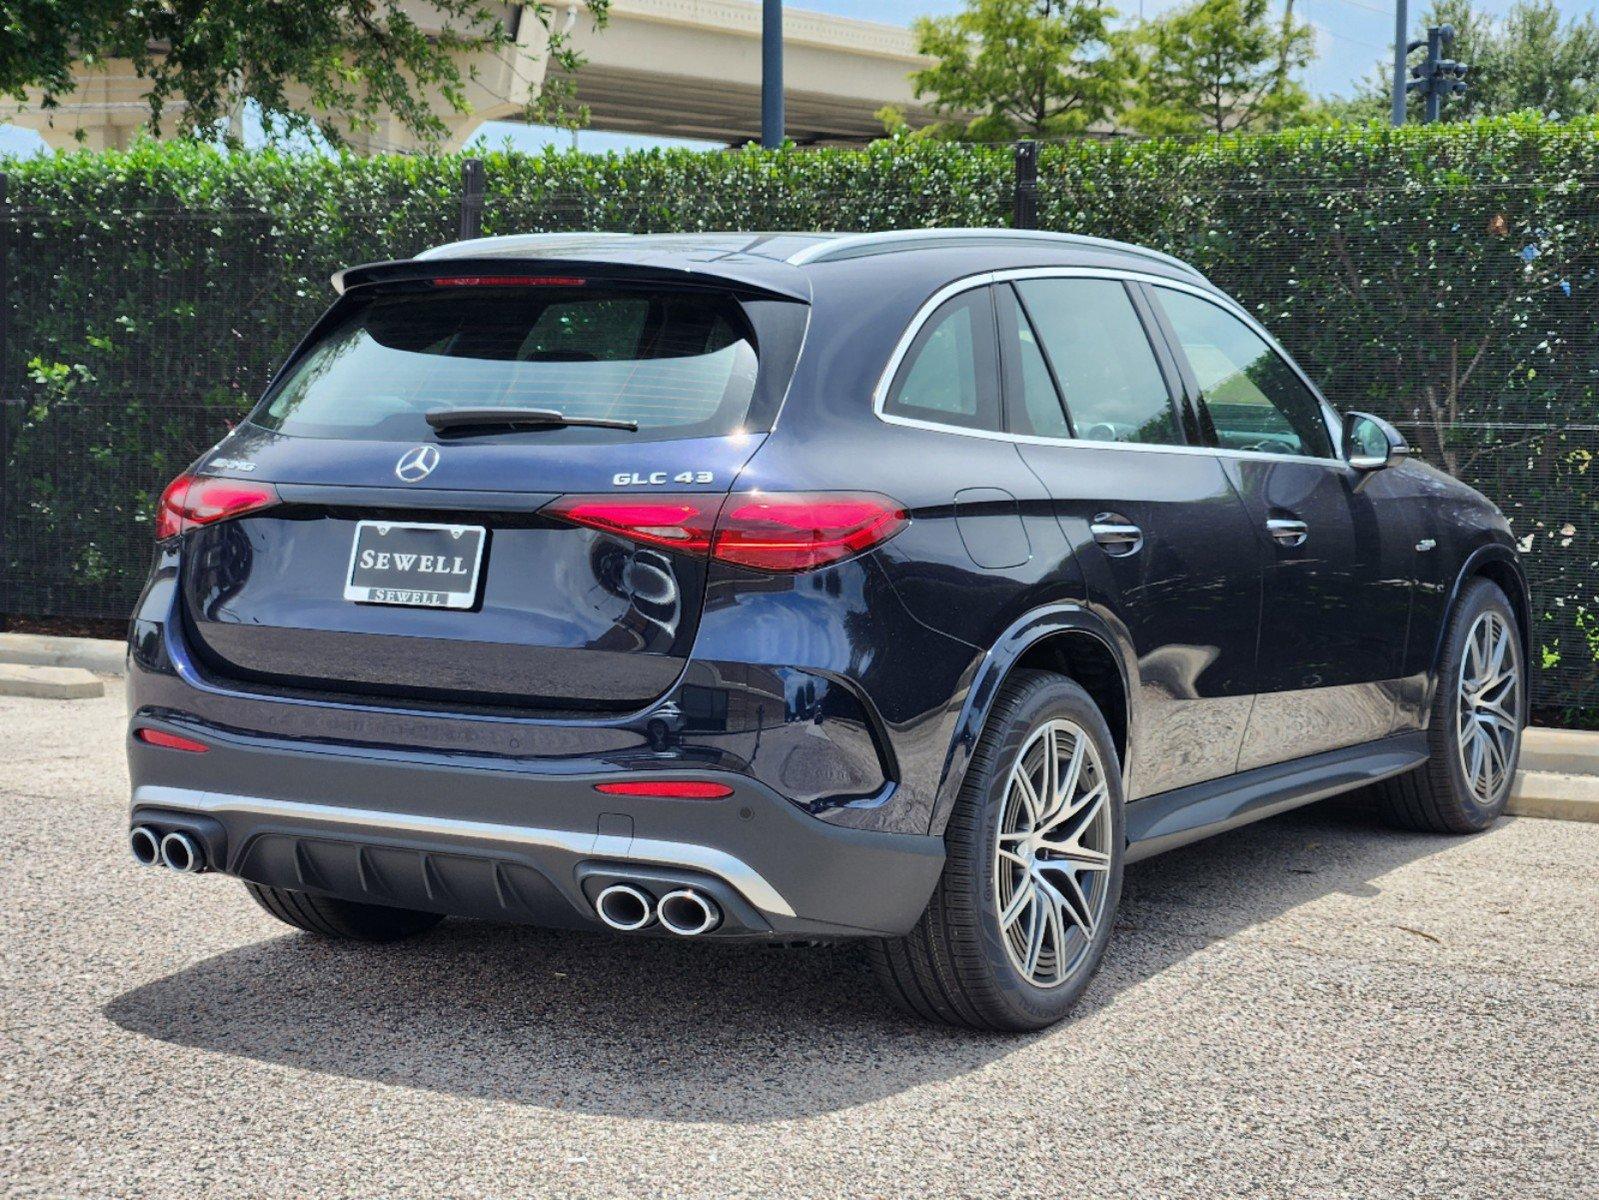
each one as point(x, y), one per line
point(1024, 211)
point(1435, 46)
point(1401, 38)
point(772, 121)
point(472, 178)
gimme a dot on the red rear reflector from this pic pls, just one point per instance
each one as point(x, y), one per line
point(671, 789)
point(770, 531)
point(509, 281)
point(170, 741)
point(194, 500)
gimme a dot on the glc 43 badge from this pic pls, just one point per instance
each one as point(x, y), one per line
point(657, 478)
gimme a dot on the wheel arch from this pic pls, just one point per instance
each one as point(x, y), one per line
point(1499, 565)
point(1068, 639)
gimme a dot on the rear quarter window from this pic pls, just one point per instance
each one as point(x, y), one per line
point(950, 373)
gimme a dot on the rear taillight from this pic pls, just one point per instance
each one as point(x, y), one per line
point(194, 500)
point(769, 531)
point(683, 523)
point(803, 530)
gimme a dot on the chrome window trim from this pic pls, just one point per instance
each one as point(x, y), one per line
point(735, 871)
point(885, 381)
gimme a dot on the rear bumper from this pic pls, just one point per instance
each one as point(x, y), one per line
point(489, 839)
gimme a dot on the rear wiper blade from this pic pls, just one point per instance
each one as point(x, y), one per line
point(454, 420)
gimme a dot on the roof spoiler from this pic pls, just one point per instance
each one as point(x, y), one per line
point(723, 276)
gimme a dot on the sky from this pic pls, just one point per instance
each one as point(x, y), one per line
point(1351, 37)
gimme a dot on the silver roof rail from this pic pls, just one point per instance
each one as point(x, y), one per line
point(847, 244)
point(518, 241)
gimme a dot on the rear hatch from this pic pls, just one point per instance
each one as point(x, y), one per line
point(387, 554)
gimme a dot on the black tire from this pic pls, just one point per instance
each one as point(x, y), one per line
point(954, 965)
point(344, 920)
point(1436, 797)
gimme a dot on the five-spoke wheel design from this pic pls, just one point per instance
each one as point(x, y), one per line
point(1490, 707)
point(1053, 853)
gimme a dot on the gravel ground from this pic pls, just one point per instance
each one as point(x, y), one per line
point(1311, 1007)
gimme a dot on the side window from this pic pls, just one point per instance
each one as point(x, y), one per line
point(950, 375)
point(1102, 359)
point(1255, 400)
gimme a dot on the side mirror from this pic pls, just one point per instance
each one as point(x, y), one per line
point(1370, 443)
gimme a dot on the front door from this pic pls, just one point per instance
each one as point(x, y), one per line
point(1337, 580)
point(1163, 541)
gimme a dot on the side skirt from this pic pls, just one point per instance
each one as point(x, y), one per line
point(1171, 819)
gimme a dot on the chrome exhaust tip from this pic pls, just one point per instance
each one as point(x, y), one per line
point(689, 913)
point(624, 907)
point(181, 852)
point(146, 846)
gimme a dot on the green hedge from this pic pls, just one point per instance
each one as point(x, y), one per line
point(1443, 276)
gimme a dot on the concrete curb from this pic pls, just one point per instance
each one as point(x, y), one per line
point(49, 683)
point(1557, 797)
point(1561, 751)
point(100, 655)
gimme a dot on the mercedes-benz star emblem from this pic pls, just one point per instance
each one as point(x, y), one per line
point(417, 463)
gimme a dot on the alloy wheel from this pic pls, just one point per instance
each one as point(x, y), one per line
point(1490, 707)
point(1053, 854)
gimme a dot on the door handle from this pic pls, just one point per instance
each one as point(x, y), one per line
point(1292, 534)
point(1116, 533)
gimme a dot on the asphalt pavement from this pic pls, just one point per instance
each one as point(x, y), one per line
point(1312, 1007)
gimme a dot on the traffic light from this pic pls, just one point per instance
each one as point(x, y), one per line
point(1436, 77)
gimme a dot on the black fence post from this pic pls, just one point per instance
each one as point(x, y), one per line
point(472, 179)
point(1024, 213)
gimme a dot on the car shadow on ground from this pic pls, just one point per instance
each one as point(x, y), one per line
point(693, 1031)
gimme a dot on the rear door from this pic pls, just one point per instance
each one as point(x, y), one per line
point(1338, 559)
point(467, 566)
point(1164, 544)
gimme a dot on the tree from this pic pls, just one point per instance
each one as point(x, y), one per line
point(1527, 60)
point(1216, 66)
point(306, 63)
point(1026, 68)
point(1530, 60)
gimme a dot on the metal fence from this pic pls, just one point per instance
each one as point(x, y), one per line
point(1479, 339)
point(111, 386)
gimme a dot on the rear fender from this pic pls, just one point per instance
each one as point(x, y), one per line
point(1008, 650)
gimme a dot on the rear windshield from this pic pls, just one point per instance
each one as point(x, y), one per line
point(680, 363)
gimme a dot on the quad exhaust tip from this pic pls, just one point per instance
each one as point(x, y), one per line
point(146, 846)
point(689, 913)
point(625, 907)
point(180, 852)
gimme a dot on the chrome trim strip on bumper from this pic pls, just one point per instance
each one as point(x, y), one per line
point(734, 871)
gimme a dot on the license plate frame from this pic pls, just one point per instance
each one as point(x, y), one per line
point(459, 583)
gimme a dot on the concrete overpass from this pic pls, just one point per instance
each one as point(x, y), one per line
point(674, 68)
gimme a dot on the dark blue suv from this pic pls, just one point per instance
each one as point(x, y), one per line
point(896, 586)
